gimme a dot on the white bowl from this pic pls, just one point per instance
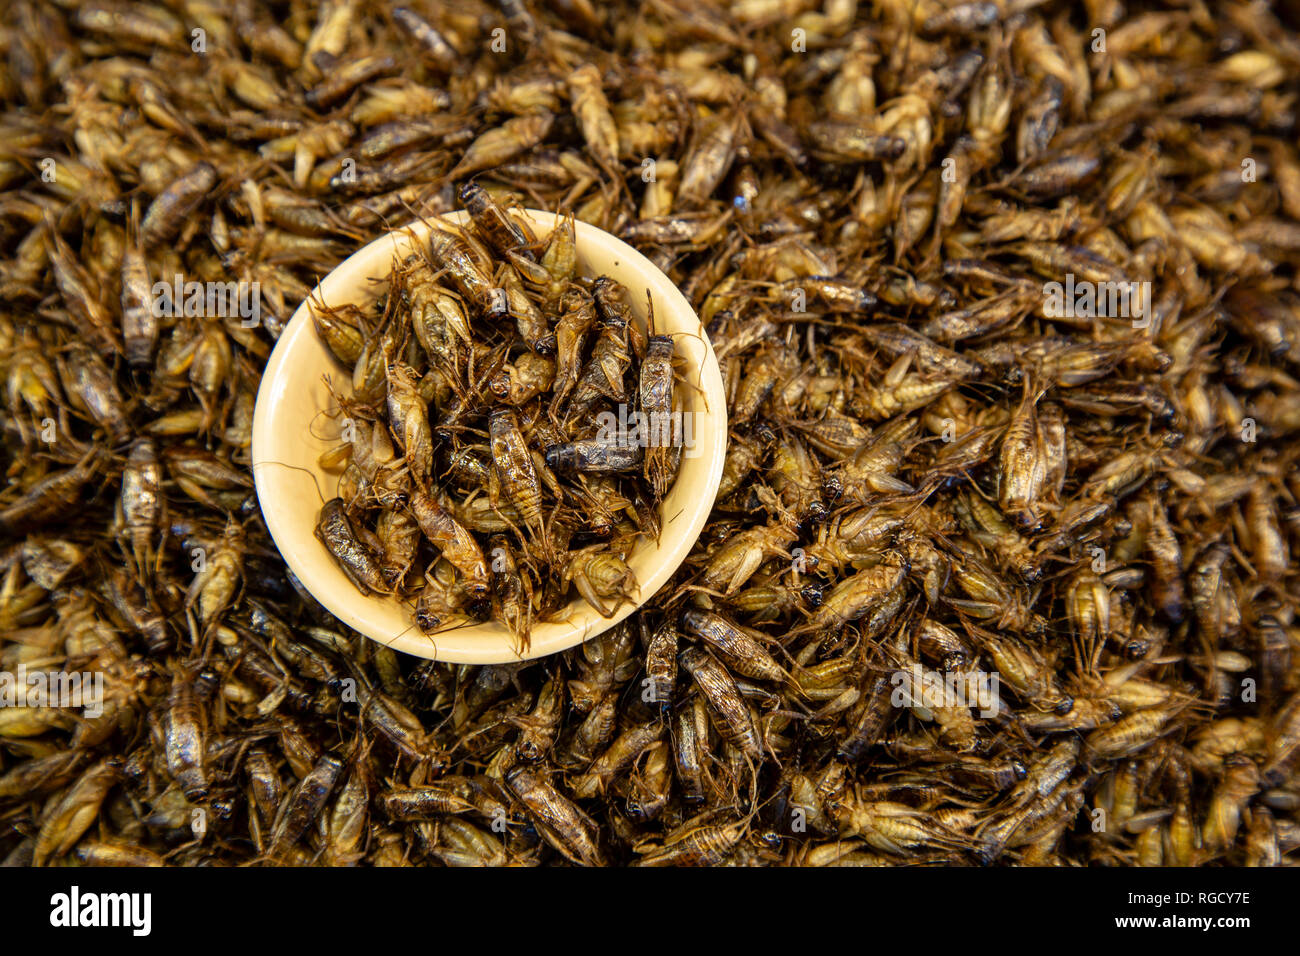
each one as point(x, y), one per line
point(292, 426)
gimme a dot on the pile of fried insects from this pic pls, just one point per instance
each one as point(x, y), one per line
point(1001, 569)
point(519, 465)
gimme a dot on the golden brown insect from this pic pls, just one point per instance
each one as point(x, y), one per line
point(335, 531)
point(1240, 782)
point(892, 827)
point(409, 422)
point(141, 501)
point(699, 846)
point(610, 354)
point(513, 466)
point(451, 254)
point(576, 320)
point(601, 576)
point(859, 595)
point(140, 324)
point(301, 807)
point(740, 650)
point(455, 543)
point(710, 155)
point(561, 823)
point(183, 731)
point(165, 215)
point(429, 37)
point(503, 143)
point(512, 591)
point(729, 712)
point(1023, 465)
point(663, 451)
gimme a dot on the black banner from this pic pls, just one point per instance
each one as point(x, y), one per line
point(335, 907)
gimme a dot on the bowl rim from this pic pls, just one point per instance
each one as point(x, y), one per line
point(456, 645)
